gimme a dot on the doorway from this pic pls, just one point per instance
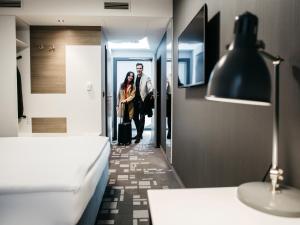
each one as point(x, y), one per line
point(120, 67)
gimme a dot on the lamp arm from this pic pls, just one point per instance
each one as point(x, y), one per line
point(271, 57)
point(276, 174)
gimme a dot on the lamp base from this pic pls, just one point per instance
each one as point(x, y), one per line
point(258, 195)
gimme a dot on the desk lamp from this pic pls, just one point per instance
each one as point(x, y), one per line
point(241, 76)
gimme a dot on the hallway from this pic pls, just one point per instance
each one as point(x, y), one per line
point(133, 170)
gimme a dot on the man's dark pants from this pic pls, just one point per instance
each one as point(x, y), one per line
point(139, 117)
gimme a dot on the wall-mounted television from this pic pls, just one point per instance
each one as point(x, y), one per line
point(191, 51)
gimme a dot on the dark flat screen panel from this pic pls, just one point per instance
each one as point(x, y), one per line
point(191, 49)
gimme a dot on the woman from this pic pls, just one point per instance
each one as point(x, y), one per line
point(125, 106)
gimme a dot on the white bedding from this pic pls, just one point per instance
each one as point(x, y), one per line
point(49, 180)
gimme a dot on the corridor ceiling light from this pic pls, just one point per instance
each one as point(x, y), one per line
point(189, 46)
point(141, 44)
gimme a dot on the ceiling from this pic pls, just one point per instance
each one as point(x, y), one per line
point(145, 18)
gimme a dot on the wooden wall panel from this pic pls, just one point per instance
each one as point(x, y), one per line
point(49, 125)
point(48, 73)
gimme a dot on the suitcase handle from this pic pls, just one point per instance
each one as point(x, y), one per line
point(122, 117)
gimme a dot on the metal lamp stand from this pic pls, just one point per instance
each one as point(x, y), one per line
point(271, 197)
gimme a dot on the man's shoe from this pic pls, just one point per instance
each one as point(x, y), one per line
point(135, 137)
point(137, 140)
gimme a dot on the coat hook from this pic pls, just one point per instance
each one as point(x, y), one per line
point(51, 48)
point(41, 46)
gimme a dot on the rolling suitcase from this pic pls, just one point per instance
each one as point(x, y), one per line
point(124, 132)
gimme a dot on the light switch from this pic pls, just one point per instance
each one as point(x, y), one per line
point(89, 86)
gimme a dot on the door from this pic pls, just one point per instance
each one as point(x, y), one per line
point(158, 103)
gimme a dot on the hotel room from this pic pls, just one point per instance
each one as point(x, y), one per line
point(218, 143)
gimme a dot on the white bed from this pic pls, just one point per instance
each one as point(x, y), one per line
point(49, 180)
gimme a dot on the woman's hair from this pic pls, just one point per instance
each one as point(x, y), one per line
point(123, 85)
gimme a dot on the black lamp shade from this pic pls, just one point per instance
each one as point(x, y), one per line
point(241, 76)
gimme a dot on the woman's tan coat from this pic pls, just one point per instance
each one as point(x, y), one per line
point(129, 100)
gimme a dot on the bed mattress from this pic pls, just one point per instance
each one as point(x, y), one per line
point(49, 180)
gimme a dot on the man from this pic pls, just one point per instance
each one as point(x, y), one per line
point(143, 88)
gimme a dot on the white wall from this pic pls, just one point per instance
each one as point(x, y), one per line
point(81, 108)
point(83, 67)
point(8, 77)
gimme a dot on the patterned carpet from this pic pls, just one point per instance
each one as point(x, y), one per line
point(133, 170)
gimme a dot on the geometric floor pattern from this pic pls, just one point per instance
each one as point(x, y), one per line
point(133, 170)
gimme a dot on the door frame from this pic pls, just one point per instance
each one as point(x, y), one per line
point(115, 88)
point(104, 93)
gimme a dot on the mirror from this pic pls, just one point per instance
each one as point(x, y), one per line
point(169, 90)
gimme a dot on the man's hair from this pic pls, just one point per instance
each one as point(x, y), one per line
point(140, 64)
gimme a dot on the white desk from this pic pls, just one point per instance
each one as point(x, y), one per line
point(207, 206)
